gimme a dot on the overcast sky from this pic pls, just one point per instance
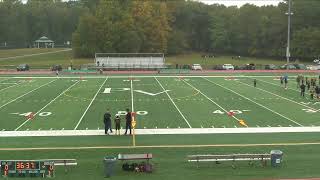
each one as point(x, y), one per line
point(242, 2)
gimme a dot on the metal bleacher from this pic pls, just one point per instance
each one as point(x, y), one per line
point(130, 60)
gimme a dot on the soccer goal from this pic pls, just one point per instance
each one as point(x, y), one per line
point(130, 60)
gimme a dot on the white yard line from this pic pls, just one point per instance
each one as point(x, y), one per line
point(37, 54)
point(131, 87)
point(210, 99)
point(185, 119)
point(255, 102)
point(85, 112)
point(27, 93)
point(279, 96)
point(9, 87)
point(47, 105)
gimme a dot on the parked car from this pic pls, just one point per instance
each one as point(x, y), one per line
point(228, 67)
point(23, 67)
point(186, 66)
point(300, 66)
point(196, 67)
point(250, 66)
point(56, 67)
point(288, 66)
point(239, 67)
point(313, 67)
point(218, 67)
point(317, 61)
point(271, 67)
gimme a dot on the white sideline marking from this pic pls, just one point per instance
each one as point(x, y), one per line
point(132, 108)
point(210, 99)
point(279, 96)
point(185, 119)
point(249, 130)
point(255, 102)
point(9, 87)
point(27, 93)
point(121, 77)
point(158, 146)
point(85, 112)
point(28, 55)
point(46, 105)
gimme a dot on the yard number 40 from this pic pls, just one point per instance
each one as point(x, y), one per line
point(43, 114)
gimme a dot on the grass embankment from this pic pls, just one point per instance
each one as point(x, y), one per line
point(66, 58)
point(40, 61)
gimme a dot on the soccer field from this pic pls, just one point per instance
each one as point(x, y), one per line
point(160, 102)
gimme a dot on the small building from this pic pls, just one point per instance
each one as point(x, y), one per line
point(44, 42)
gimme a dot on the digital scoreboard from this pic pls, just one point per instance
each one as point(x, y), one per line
point(26, 168)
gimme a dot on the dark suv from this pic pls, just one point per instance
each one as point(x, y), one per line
point(56, 67)
point(23, 67)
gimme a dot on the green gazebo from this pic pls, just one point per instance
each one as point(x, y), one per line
point(44, 42)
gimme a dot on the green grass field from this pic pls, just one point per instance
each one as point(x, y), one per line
point(160, 102)
point(300, 161)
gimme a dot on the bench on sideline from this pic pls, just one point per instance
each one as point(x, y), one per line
point(127, 157)
point(230, 157)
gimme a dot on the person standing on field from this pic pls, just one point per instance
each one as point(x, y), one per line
point(117, 122)
point(255, 83)
point(107, 122)
point(128, 121)
point(303, 90)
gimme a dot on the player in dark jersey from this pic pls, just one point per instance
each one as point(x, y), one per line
point(303, 90)
point(285, 81)
point(117, 122)
point(128, 121)
point(107, 122)
point(255, 83)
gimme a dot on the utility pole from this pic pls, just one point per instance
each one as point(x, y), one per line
point(289, 13)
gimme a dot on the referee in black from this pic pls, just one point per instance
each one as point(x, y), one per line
point(303, 90)
point(128, 121)
point(107, 122)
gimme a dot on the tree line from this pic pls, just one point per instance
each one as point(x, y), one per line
point(168, 26)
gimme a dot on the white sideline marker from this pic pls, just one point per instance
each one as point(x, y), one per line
point(85, 112)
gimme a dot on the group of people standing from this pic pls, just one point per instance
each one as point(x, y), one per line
point(310, 84)
point(117, 120)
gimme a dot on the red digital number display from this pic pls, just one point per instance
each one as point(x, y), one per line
point(26, 165)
